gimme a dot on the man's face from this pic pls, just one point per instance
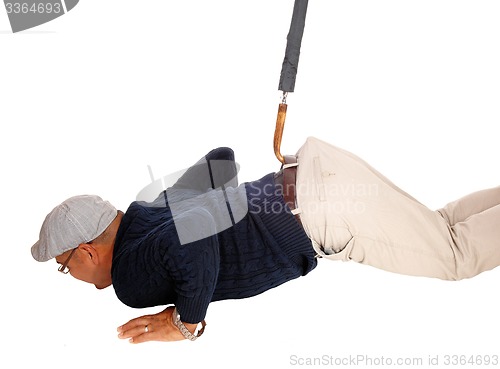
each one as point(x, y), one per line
point(77, 268)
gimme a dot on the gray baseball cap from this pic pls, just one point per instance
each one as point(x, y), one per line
point(79, 219)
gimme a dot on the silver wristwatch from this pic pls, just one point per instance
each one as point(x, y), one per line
point(176, 318)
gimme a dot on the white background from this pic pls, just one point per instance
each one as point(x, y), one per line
point(89, 100)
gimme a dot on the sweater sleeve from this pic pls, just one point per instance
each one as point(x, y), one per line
point(194, 267)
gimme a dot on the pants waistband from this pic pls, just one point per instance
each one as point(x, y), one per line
point(287, 179)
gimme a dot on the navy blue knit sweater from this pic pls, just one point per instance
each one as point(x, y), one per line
point(262, 250)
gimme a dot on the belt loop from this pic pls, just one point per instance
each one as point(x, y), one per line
point(290, 165)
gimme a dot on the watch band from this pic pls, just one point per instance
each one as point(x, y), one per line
point(176, 318)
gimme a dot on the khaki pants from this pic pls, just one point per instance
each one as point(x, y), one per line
point(352, 212)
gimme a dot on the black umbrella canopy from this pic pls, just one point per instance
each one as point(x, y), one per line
point(289, 71)
point(292, 52)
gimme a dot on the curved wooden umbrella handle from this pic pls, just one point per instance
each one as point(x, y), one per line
point(278, 132)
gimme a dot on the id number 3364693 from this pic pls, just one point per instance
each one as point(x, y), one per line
point(24, 8)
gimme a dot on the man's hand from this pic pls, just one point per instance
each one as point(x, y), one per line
point(156, 327)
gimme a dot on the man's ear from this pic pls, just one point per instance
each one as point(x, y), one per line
point(89, 253)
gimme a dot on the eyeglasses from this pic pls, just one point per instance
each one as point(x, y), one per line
point(63, 268)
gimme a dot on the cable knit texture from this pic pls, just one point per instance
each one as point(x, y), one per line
point(264, 249)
